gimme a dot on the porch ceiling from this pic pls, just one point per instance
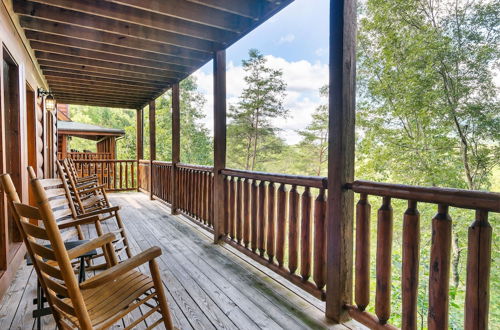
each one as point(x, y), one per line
point(123, 53)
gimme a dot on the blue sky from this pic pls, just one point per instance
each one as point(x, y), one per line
point(294, 40)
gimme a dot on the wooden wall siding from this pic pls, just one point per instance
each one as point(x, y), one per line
point(88, 46)
point(13, 43)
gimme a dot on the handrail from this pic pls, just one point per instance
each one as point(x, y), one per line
point(300, 180)
point(195, 167)
point(468, 199)
point(104, 160)
point(161, 162)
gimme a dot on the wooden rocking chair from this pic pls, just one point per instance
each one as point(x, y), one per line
point(100, 301)
point(95, 203)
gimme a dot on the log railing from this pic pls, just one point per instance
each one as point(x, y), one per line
point(195, 184)
point(87, 155)
point(478, 258)
point(161, 185)
point(279, 221)
point(116, 175)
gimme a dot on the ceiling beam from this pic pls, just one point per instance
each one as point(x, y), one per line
point(96, 97)
point(101, 64)
point(60, 15)
point(93, 55)
point(140, 16)
point(192, 12)
point(84, 33)
point(55, 39)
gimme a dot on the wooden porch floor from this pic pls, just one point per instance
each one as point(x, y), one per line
point(209, 286)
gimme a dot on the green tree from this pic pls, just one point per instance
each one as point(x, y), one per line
point(253, 140)
point(428, 111)
point(314, 143)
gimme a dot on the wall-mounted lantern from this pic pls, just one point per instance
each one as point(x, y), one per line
point(50, 101)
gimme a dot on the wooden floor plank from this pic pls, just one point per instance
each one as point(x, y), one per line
point(208, 286)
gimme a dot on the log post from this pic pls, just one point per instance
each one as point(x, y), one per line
point(439, 275)
point(341, 158)
point(477, 295)
point(219, 141)
point(139, 142)
point(176, 147)
point(152, 143)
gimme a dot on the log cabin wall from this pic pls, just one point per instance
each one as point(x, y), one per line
point(17, 71)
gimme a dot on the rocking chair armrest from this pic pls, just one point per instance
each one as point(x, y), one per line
point(112, 273)
point(91, 245)
point(78, 221)
point(98, 212)
point(86, 185)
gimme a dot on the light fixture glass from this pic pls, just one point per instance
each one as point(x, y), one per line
point(50, 103)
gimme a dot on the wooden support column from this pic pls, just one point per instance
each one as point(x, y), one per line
point(340, 158)
point(219, 141)
point(152, 143)
point(139, 142)
point(176, 146)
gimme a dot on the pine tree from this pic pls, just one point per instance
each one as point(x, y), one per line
point(252, 136)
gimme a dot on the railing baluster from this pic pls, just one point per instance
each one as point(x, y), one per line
point(439, 277)
point(246, 214)
point(477, 296)
point(305, 235)
point(226, 203)
point(409, 276)
point(254, 220)
point(239, 211)
point(262, 218)
point(126, 175)
point(320, 240)
point(362, 287)
point(293, 220)
point(271, 214)
point(232, 210)
point(384, 254)
point(281, 225)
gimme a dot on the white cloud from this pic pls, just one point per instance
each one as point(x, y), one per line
point(287, 39)
point(303, 79)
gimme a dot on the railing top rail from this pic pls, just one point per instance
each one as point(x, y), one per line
point(161, 162)
point(196, 167)
point(104, 160)
point(468, 199)
point(144, 161)
point(300, 180)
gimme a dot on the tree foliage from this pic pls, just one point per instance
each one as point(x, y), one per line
point(253, 139)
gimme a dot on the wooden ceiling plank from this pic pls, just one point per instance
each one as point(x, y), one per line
point(248, 8)
point(123, 95)
point(104, 79)
point(97, 97)
point(54, 84)
point(128, 75)
point(99, 104)
point(101, 64)
point(55, 39)
point(65, 78)
point(192, 12)
point(93, 55)
point(60, 15)
point(103, 75)
point(141, 17)
point(85, 33)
